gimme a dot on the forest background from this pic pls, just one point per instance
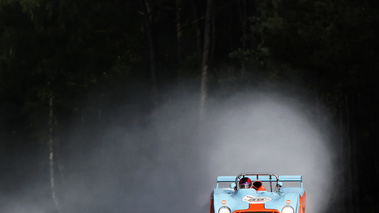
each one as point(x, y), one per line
point(71, 64)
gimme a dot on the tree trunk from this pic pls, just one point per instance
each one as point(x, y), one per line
point(213, 40)
point(205, 64)
point(179, 34)
point(376, 138)
point(51, 152)
point(343, 151)
point(243, 19)
point(147, 12)
point(350, 153)
point(198, 28)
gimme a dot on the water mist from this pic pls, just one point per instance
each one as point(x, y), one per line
point(171, 164)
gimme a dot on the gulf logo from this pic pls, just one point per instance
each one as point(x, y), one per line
point(223, 202)
point(288, 202)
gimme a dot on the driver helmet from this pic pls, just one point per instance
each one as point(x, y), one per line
point(245, 183)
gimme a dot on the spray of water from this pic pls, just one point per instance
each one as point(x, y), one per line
point(275, 134)
point(171, 164)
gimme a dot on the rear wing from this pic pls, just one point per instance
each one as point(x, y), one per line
point(282, 178)
point(261, 177)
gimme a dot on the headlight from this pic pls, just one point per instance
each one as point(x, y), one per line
point(287, 209)
point(224, 209)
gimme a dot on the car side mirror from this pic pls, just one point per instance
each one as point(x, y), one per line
point(232, 185)
point(278, 186)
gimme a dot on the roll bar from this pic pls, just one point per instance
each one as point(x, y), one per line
point(264, 177)
point(256, 175)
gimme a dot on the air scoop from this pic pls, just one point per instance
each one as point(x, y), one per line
point(257, 185)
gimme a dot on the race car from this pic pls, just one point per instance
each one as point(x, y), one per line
point(258, 193)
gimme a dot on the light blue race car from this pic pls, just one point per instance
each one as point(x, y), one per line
point(258, 193)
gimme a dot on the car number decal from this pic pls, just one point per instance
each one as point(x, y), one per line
point(252, 199)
